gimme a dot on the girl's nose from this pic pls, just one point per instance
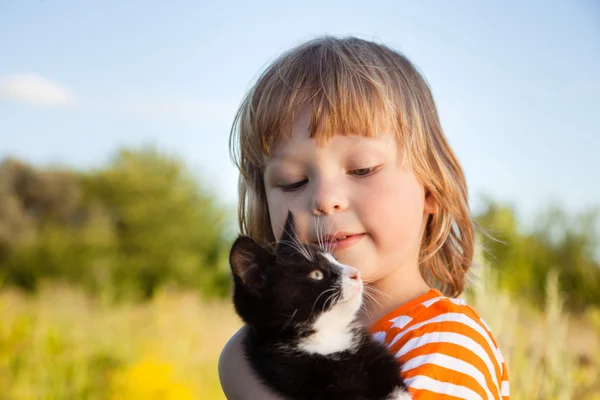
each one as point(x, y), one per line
point(328, 199)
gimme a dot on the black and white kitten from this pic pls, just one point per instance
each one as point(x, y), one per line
point(304, 339)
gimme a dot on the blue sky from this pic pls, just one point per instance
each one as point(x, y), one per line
point(517, 84)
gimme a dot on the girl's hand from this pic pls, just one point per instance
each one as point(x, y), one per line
point(238, 380)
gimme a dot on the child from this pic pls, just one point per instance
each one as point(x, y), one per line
point(344, 133)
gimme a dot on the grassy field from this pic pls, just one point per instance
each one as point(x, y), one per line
point(62, 344)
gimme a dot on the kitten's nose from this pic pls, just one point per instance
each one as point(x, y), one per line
point(355, 274)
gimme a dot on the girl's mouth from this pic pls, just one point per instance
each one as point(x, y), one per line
point(342, 241)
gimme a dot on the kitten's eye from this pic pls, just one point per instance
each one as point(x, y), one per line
point(317, 275)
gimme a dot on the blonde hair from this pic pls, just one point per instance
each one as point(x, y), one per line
point(353, 85)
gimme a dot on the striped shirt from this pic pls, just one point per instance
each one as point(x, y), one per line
point(445, 349)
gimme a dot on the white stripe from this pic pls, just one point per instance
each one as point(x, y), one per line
point(485, 324)
point(455, 338)
point(432, 301)
point(505, 389)
point(379, 336)
point(501, 361)
point(462, 319)
point(427, 383)
point(452, 363)
point(401, 321)
point(458, 302)
point(496, 349)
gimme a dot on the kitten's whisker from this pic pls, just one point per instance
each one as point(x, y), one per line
point(324, 233)
point(369, 297)
point(372, 298)
point(373, 289)
point(334, 299)
point(289, 320)
point(317, 228)
point(365, 309)
point(299, 248)
point(316, 219)
point(292, 244)
point(328, 232)
point(331, 297)
point(318, 232)
point(320, 224)
point(331, 242)
point(318, 297)
point(273, 243)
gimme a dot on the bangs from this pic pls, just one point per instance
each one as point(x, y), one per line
point(348, 88)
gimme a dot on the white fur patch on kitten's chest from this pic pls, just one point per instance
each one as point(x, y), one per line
point(333, 332)
point(399, 394)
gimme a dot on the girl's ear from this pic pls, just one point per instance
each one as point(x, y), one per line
point(431, 204)
point(249, 262)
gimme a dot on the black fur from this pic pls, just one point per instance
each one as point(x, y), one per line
point(279, 302)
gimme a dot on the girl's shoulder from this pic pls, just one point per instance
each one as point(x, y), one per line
point(443, 344)
point(432, 307)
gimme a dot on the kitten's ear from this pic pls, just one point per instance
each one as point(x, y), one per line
point(288, 242)
point(249, 261)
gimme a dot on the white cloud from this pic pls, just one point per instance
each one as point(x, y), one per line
point(35, 90)
point(39, 91)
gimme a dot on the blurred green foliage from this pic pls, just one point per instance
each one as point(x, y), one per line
point(556, 242)
point(141, 222)
point(144, 221)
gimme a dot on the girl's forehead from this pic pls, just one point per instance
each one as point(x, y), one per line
point(329, 126)
point(304, 137)
point(300, 145)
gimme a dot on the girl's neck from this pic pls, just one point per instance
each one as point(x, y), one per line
point(396, 289)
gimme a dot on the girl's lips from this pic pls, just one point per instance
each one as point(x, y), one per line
point(344, 243)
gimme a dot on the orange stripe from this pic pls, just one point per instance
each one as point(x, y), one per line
point(504, 372)
point(449, 376)
point(451, 350)
point(452, 327)
point(446, 306)
point(415, 310)
point(383, 323)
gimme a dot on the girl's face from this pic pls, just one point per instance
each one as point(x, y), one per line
point(352, 186)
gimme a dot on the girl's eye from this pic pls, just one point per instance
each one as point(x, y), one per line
point(293, 186)
point(363, 171)
point(317, 275)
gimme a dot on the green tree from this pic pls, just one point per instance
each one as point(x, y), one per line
point(41, 223)
point(140, 222)
point(558, 242)
point(168, 229)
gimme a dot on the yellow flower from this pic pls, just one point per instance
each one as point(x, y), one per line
point(149, 379)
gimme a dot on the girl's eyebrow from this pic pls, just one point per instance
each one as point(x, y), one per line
point(272, 162)
point(285, 158)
